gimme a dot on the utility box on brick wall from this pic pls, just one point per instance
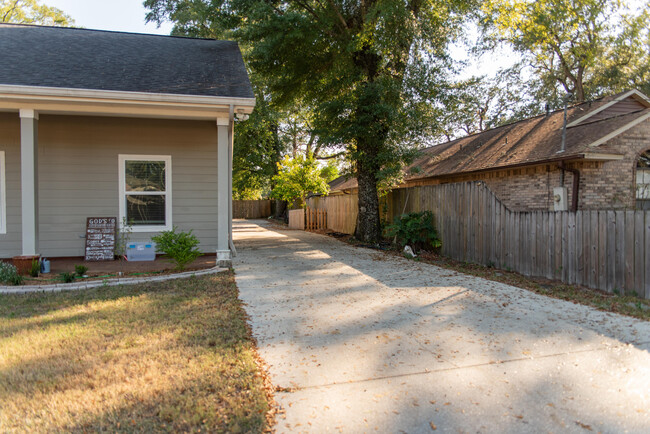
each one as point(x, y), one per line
point(560, 199)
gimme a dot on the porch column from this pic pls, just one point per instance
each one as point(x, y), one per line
point(29, 179)
point(224, 256)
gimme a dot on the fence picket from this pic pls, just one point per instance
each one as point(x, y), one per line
point(602, 251)
point(646, 245)
point(639, 282)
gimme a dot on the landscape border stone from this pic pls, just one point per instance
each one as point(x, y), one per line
point(27, 289)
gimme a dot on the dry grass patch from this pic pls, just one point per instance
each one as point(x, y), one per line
point(164, 356)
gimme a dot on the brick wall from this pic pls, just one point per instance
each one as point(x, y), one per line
point(603, 184)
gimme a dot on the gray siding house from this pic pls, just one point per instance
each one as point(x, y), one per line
point(109, 124)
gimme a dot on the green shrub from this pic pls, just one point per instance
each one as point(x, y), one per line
point(180, 247)
point(35, 269)
point(415, 229)
point(67, 277)
point(80, 270)
point(9, 274)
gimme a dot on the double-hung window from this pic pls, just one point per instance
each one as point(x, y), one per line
point(145, 192)
point(3, 195)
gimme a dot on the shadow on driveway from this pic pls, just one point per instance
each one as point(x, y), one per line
point(365, 340)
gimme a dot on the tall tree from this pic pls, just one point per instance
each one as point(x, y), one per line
point(32, 12)
point(572, 45)
point(480, 103)
point(367, 67)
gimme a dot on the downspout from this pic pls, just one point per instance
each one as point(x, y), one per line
point(231, 139)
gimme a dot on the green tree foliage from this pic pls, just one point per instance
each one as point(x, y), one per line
point(257, 150)
point(32, 12)
point(581, 47)
point(301, 175)
point(481, 103)
point(367, 68)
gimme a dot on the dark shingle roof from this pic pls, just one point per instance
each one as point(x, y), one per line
point(101, 60)
point(530, 141)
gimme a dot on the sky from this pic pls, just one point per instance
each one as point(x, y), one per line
point(119, 15)
point(129, 16)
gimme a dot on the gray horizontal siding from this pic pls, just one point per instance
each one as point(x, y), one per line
point(78, 176)
point(10, 144)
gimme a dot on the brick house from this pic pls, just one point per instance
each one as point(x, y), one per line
point(603, 162)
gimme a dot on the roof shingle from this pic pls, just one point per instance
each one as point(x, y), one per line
point(102, 60)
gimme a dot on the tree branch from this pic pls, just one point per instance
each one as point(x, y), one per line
point(329, 157)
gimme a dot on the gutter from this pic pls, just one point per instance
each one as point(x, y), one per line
point(71, 94)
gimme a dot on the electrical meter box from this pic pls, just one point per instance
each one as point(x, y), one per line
point(140, 251)
point(560, 199)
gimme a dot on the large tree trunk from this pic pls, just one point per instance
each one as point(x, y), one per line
point(368, 222)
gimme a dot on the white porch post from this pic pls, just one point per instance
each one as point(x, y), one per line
point(29, 179)
point(224, 256)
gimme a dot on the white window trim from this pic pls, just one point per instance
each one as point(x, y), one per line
point(3, 195)
point(122, 159)
point(642, 184)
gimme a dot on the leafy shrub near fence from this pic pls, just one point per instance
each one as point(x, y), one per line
point(9, 274)
point(415, 229)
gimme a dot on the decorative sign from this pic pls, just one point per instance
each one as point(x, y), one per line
point(100, 238)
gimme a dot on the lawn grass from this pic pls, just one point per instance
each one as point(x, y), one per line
point(173, 356)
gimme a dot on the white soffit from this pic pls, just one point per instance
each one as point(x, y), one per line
point(107, 102)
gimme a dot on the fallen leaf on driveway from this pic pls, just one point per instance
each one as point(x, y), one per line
point(433, 426)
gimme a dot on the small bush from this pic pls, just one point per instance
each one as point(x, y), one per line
point(80, 270)
point(180, 247)
point(9, 274)
point(35, 269)
point(67, 277)
point(415, 229)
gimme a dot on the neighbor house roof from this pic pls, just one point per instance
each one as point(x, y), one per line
point(532, 141)
point(56, 57)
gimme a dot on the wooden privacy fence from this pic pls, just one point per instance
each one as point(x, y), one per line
point(601, 249)
point(315, 219)
point(251, 209)
point(341, 211)
point(297, 219)
point(308, 219)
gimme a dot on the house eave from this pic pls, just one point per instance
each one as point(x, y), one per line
point(50, 100)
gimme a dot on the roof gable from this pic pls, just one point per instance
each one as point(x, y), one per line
point(113, 61)
point(628, 102)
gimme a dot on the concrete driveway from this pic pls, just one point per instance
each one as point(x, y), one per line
point(360, 342)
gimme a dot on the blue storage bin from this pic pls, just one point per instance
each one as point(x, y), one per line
point(140, 251)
